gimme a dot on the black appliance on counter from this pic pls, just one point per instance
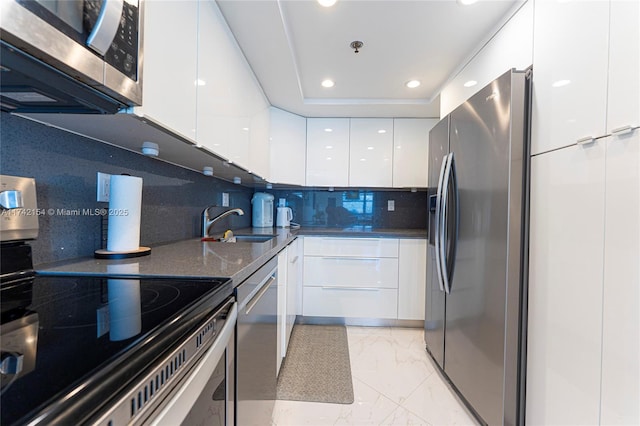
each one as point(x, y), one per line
point(108, 350)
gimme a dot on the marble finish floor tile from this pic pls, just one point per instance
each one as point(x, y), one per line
point(394, 381)
point(392, 364)
point(435, 402)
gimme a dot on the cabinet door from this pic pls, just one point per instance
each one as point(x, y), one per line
point(226, 89)
point(171, 65)
point(412, 279)
point(411, 151)
point(288, 147)
point(350, 302)
point(369, 272)
point(328, 152)
point(294, 279)
point(623, 108)
point(356, 247)
point(371, 152)
point(259, 146)
point(621, 307)
point(282, 309)
point(570, 53)
point(565, 286)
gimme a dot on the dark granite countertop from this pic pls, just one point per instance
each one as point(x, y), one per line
point(194, 259)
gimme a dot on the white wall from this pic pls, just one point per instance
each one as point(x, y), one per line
point(512, 47)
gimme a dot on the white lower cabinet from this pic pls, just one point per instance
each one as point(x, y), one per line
point(377, 278)
point(294, 282)
point(350, 302)
point(289, 293)
point(412, 278)
point(281, 350)
point(351, 272)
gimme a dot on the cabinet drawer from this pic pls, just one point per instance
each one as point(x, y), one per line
point(362, 247)
point(350, 272)
point(350, 303)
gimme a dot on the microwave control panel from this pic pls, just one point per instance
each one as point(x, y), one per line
point(123, 53)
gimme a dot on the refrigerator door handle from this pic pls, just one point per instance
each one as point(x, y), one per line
point(444, 224)
point(437, 229)
point(450, 263)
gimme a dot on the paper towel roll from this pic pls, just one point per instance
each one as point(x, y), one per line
point(125, 207)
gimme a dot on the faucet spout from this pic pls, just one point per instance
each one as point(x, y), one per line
point(208, 222)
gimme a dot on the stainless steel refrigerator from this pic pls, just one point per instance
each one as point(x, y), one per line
point(475, 319)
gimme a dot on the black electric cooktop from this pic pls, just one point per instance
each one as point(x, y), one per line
point(76, 341)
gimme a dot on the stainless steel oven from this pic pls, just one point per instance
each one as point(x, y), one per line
point(94, 46)
point(108, 350)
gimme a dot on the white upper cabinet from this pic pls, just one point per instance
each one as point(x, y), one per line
point(171, 65)
point(624, 66)
point(371, 152)
point(232, 111)
point(328, 152)
point(411, 151)
point(259, 146)
point(288, 147)
point(570, 56)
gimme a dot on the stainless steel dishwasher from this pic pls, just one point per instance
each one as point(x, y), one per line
point(256, 343)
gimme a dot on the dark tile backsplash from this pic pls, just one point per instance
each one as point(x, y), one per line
point(341, 209)
point(64, 166)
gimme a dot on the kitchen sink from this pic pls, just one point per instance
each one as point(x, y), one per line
point(253, 238)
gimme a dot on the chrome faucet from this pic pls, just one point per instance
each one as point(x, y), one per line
point(208, 222)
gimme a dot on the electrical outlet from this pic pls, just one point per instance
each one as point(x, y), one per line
point(103, 187)
point(225, 199)
point(391, 205)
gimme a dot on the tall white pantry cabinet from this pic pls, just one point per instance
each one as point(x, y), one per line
point(584, 287)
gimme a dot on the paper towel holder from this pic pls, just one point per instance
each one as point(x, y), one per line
point(106, 254)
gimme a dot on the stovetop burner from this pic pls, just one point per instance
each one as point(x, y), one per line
point(59, 331)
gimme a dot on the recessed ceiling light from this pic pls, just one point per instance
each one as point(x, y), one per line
point(382, 131)
point(328, 83)
point(561, 83)
point(328, 130)
point(327, 3)
point(328, 147)
point(467, 2)
point(363, 159)
point(470, 83)
point(246, 129)
point(200, 82)
point(412, 84)
point(370, 148)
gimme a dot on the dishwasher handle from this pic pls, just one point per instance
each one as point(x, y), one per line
point(256, 298)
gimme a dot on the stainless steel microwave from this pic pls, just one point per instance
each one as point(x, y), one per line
point(75, 56)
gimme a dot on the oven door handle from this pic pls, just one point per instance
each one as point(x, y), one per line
point(176, 409)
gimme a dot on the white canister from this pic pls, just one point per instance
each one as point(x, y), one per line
point(262, 216)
